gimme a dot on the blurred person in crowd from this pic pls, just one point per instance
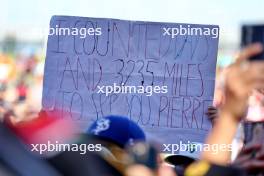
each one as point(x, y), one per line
point(251, 159)
point(7, 73)
point(6, 108)
point(242, 78)
point(255, 112)
point(7, 69)
point(39, 131)
point(2, 94)
point(254, 135)
point(21, 91)
point(243, 147)
point(29, 82)
point(117, 129)
point(124, 144)
point(16, 158)
point(256, 106)
point(115, 133)
point(30, 64)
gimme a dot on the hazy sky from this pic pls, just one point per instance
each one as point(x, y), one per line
point(18, 16)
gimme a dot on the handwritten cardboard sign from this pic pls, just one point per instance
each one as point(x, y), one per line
point(85, 55)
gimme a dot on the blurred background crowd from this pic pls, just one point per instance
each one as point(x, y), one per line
point(21, 74)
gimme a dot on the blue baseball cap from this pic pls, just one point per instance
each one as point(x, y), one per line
point(117, 129)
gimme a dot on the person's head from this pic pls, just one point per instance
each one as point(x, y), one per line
point(117, 129)
point(115, 133)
